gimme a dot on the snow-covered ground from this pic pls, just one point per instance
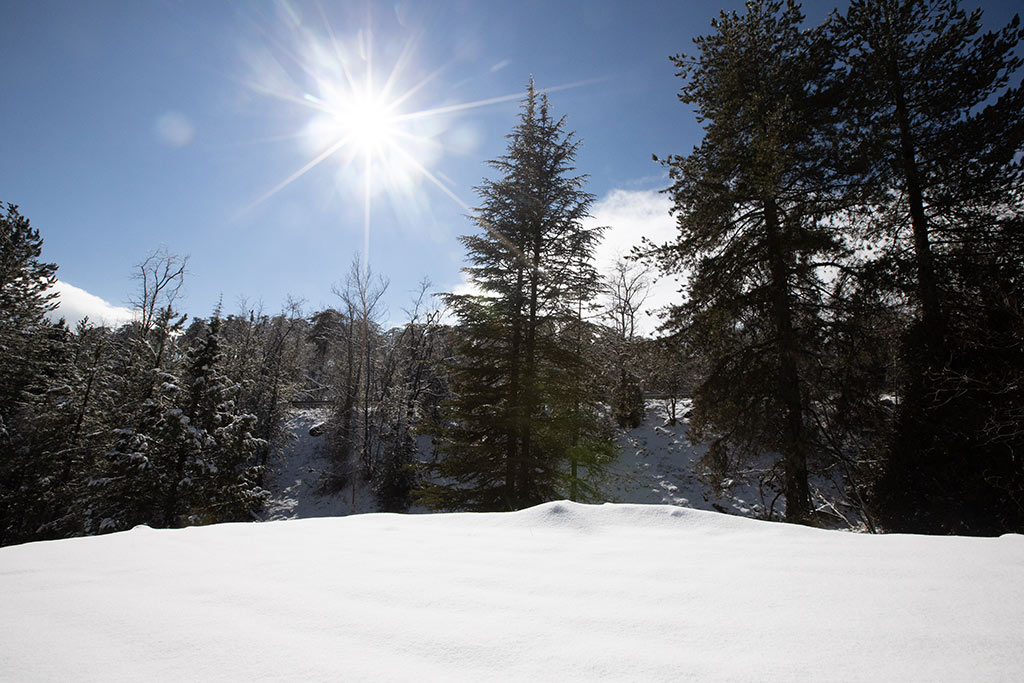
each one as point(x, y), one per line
point(560, 592)
point(298, 473)
point(658, 465)
point(297, 477)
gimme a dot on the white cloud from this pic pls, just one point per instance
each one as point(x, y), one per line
point(462, 287)
point(465, 287)
point(632, 215)
point(76, 303)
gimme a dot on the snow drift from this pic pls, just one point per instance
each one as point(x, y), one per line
point(557, 592)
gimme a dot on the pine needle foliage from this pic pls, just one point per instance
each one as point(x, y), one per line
point(517, 407)
point(751, 204)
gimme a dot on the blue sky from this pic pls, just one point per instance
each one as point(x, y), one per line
point(127, 126)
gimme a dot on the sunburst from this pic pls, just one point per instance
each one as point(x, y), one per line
point(360, 121)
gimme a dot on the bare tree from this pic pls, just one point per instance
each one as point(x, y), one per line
point(361, 299)
point(627, 288)
point(160, 277)
point(403, 379)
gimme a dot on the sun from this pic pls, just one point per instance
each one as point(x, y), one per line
point(357, 120)
point(370, 121)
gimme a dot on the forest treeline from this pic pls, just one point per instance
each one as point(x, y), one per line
point(170, 422)
point(850, 235)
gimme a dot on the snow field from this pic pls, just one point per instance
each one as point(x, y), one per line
point(558, 592)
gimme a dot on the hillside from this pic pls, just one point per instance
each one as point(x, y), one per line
point(560, 592)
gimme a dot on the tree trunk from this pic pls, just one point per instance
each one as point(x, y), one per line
point(794, 449)
point(526, 464)
point(927, 282)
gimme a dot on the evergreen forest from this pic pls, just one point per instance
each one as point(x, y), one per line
point(850, 235)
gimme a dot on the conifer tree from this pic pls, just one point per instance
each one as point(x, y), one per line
point(513, 417)
point(940, 132)
point(68, 428)
point(940, 121)
point(26, 297)
point(31, 353)
point(134, 484)
point(217, 474)
point(188, 455)
point(750, 203)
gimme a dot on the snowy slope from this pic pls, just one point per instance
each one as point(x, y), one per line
point(658, 465)
point(296, 477)
point(560, 592)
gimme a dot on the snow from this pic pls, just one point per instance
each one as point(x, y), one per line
point(658, 465)
point(297, 476)
point(560, 592)
point(649, 589)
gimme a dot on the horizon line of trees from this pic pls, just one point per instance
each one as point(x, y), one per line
point(169, 422)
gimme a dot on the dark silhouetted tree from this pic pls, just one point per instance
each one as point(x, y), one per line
point(937, 110)
point(751, 204)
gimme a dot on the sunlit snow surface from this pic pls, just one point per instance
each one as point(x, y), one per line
point(560, 592)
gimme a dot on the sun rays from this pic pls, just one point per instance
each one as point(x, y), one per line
point(355, 117)
point(380, 129)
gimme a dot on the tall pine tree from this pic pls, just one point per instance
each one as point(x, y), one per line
point(516, 415)
point(31, 352)
point(941, 130)
point(750, 204)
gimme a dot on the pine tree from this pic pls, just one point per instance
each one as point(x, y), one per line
point(138, 471)
point(941, 130)
point(586, 423)
point(26, 297)
point(217, 474)
point(750, 204)
point(187, 455)
point(31, 353)
point(514, 414)
point(68, 427)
